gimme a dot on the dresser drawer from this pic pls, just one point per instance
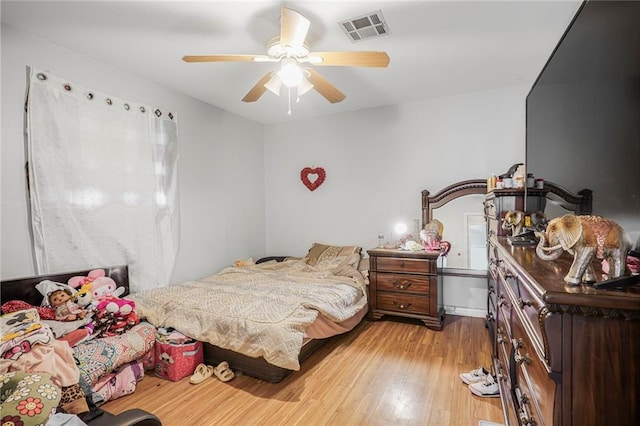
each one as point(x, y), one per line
point(532, 378)
point(395, 264)
point(529, 307)
point(504, 315)
point(494, 227)
point(406, 303)
point(508, 409)
point(404, 283)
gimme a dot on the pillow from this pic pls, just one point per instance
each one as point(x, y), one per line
point(321, 252)
point(60, 328)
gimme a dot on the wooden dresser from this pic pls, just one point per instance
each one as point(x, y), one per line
point(498, 201)
point(405, 284)
point(563, 355)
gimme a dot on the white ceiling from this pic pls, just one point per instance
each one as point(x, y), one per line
point(437, 48)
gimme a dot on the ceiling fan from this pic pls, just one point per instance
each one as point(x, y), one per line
point(291, 51)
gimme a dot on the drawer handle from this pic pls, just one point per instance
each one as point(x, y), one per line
point(523, 303)
point(402, 305)
point(523, 412)
point(501, 301)
point(519, 359)
point(402, 285)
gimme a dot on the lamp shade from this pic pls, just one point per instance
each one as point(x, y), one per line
point(274, 84)
point(304, 86)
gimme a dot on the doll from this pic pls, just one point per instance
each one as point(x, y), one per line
point(66, 310)
point(431, 235)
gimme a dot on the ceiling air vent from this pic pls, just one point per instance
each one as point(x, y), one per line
point(365, 26)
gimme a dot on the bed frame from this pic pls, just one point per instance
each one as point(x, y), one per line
point(25, 289)
point(258, 367)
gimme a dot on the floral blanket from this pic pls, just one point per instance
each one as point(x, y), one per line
point(98, 357)
point(261, 310)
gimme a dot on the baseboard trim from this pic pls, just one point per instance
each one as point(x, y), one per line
point(465, 312)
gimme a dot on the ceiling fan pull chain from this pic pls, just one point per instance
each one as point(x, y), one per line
point(289, 99)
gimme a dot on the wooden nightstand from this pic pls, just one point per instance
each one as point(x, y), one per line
point(405, 284)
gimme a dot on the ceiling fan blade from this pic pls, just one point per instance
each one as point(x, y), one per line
point(257, 90)
point(350, 59)
point(322, 86)
point(226, 58)
point(293, 28)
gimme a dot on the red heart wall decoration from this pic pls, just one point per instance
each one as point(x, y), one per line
point(312, 178)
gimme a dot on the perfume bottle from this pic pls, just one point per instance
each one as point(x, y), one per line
point(380, 241)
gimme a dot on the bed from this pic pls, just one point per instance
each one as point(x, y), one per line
point(265, 318)
point(100, 359)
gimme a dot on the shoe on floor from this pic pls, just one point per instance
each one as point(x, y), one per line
point(474, 376)
point(201, 373)
point(487, 388)
point(223, 372)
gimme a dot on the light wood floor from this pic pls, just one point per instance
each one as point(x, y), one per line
point(389, 372)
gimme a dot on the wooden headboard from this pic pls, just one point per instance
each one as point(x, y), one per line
point(25, 288)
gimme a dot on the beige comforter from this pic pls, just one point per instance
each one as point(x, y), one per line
point(260, 310)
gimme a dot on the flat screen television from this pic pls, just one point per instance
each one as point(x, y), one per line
point(583, 111)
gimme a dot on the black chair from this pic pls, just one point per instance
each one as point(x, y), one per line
point(132, 417)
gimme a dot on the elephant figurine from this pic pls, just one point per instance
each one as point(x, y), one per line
point(513, 221)
point(585, 237)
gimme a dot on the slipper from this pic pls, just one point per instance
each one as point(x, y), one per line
point(223, 372)
point(201, 373)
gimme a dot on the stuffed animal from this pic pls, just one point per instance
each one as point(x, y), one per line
point(115, 315)
point(116, 306)
point(101, 286)
point(76, 282)
point(84, 297)
point(105, 288)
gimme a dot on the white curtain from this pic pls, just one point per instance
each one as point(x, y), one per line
point(103, 182)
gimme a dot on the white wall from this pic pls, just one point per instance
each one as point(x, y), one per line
point(220, 167)
point(378, 161)
point(234, 189)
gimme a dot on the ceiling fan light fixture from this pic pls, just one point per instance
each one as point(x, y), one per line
point(304, 86)
point(290, 73)
point(274, 84)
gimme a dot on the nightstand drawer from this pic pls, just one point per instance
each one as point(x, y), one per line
point(392, 264)
point(403, 303)
point(403, 283)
